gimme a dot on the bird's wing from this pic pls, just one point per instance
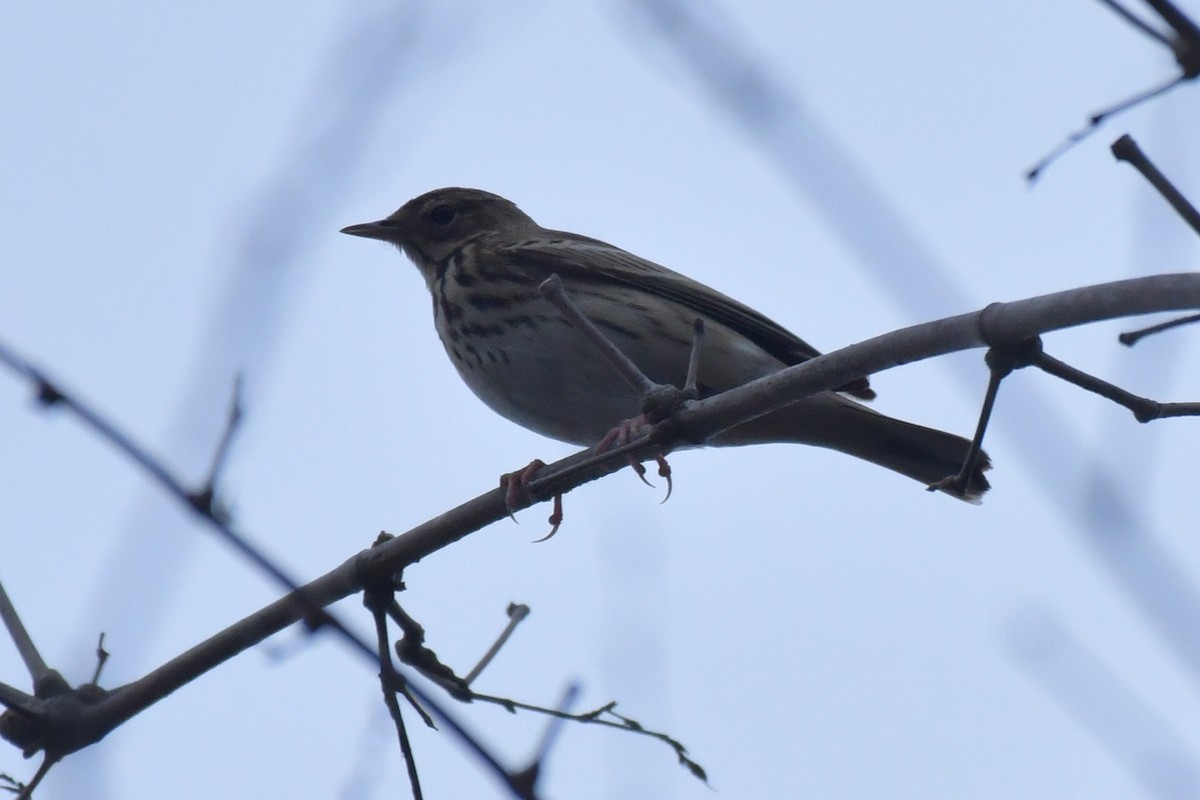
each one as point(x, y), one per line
point(578, 259)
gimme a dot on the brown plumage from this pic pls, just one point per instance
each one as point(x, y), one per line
point(483, 258)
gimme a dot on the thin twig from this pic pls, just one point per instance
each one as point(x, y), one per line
point(389, 679)
point(26, 791)
point(1127, 150)
point(101, 658)
point(206, 495)
point(1130, 338)
point(517, 612)
point(49, 392)
point(1008, 321)
point(1184, 45)
point(1143, 408)
point(1098, 119)
point(529, 776)
point(1138, 23)
point(597, 717)
point(34, 663)
point(1180, 23)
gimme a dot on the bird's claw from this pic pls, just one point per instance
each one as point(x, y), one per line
point(664, 471)
point(555, 519)
point(641, 472)
point(627, 431)
point(516, 495)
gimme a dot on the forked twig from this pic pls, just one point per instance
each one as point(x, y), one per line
point(86, 702)
point(1184, 44)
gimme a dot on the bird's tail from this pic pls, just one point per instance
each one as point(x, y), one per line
point(832, 421)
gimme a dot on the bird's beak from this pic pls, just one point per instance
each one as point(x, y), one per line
point(383, 229)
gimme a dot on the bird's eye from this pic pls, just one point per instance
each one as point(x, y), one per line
point(442, 215)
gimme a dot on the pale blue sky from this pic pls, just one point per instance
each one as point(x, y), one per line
point(174, 179)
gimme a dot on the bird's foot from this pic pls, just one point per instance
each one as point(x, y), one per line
point(631, 430)
point(516, 495)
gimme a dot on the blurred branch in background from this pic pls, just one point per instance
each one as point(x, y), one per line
point(745, 90)
point(59, 720)
point(84, 715)
point(380, 51)
point(1104, 705)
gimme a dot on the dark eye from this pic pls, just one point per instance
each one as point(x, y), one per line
point(442, 215)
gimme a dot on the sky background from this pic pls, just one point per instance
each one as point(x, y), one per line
point(174, 178)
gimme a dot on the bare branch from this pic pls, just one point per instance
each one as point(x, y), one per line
point(1185, 30)
point(600, 716)
point(1126, 149)
point(392, 684)
point(998, 323)
point(1130, 338)
point(81, 717)
point(1137, 22)
point(38, 670)
point(1005, 322)
point(517, 612)
point(204, 499)
point(529, 776)
point(1096, 120)
point(1143, 408)
point(101, 658)
point(1184, 45)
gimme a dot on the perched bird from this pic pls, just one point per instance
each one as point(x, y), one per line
point(483, 260)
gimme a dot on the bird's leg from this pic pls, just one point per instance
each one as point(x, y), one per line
point(553, 290)
point(659, 401)
point(663, 401)
point(690, 386)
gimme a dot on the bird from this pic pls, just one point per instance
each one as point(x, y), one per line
point(483, 260)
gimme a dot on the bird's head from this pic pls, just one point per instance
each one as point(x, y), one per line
point(433, 226)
